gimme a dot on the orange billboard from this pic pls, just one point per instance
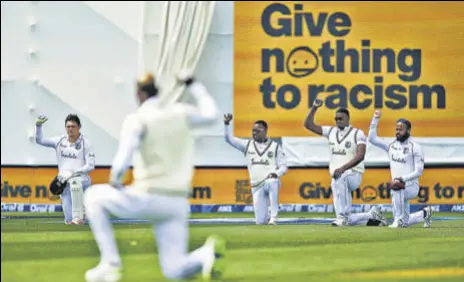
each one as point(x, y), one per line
point(231, 186)
point(404, 58)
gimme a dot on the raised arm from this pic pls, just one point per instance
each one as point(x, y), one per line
point(372, 136)
point(418, 156)
point(237, 143)
point(39, 139)
point(89, 157)
point(309, 122)
point(131, 136)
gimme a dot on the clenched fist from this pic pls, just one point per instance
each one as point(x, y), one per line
point(227, 118)
point(317, 103)
point(377, 114)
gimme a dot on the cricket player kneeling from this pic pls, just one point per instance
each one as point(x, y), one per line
point(76, 159)
point(406, 166)
point(159, 141)
point(266, 164)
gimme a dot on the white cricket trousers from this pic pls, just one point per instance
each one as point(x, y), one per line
point(170, 226)
point(400, 203)
point(341, 193)
point(265, 198)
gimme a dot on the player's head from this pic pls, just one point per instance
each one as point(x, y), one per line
point(72, 124)
point(403, 129)
point(146, 87)
point(342, 118)
point(259, 131)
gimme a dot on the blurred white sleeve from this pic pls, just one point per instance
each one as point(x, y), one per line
point(206, 111)
point(131, 136)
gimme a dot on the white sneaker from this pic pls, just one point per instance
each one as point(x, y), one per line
point(273, 221)
point(428, 217)
point(397, 224)
point(214, 264)
point(377, 214)
point(103, 273)
point(340, 222)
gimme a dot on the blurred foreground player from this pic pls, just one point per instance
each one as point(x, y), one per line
point(406, 166)
point(76, 159)
point(266, 164)
point(159, 140)
point(347, 146)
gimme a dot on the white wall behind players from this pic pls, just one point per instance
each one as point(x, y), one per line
point(86, 61)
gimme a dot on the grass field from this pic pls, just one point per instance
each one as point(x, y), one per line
point(32, 250)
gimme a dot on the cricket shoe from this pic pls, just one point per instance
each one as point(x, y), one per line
point(398, 224)
point(104, 273)
point(428, 217)
point(273, 221)
point(377, 214)
point(215, 263)
point(77, 221)
point(340, 222)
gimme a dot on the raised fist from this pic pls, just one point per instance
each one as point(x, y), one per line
point(227, 118)
point(41, 120)
point(184, 75)
point(317, 103)
point(377, 114)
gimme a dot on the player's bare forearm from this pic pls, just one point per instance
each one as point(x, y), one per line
point(357, 159)
point(309, 122)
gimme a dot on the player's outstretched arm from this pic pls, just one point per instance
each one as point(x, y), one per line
point(237, 143)
point(372, 135)
point(39, 139)
point(131, 136)
point(418, 156)
point(206, 111)
point(309, 122)
point(89, 156)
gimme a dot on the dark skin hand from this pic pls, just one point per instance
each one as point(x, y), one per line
point(360, 153)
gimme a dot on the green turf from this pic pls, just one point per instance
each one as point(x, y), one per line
point(34, 251)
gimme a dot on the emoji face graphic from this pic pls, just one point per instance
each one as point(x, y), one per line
point(369, 193)
point(302, 61)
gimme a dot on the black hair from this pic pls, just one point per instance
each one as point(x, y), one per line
point(343, 111)
point(72, 117)
point(150, 89)
point(262, 122)
point(406, 122)
point(148, 85)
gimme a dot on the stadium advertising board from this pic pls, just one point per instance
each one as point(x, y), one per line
point(231, 186)
point(404, 58)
